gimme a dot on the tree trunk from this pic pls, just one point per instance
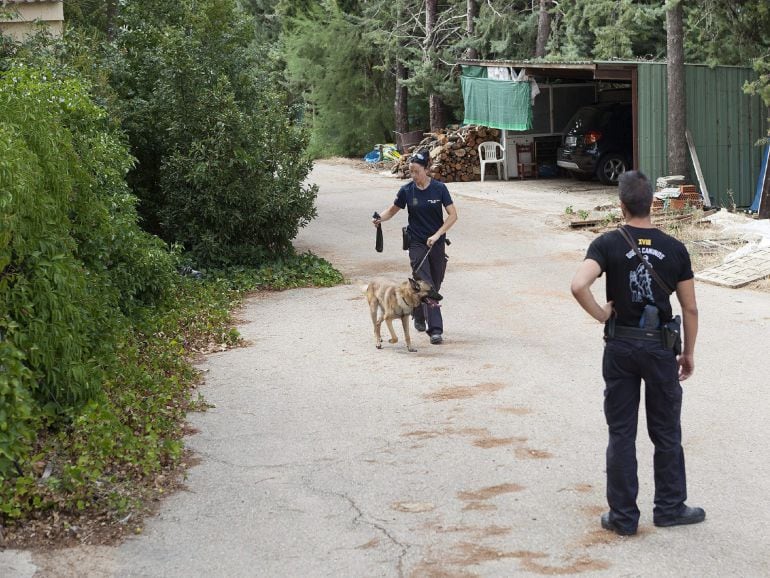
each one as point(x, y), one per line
point(543, 28)
point(402, 99)
point(435, 103)
point(677, 112)
point(471, 14)
point(437, 116)
point(111, 14)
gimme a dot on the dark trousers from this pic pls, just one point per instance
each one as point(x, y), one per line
point(431, 271)
point(627, 362)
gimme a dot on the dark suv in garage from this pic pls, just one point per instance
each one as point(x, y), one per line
point(598, 141)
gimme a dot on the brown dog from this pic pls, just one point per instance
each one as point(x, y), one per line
point(389, 301)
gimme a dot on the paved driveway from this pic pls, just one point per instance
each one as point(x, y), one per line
point(480, 457)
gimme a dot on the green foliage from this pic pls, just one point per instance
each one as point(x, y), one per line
point(221, 161)
point(288, 272)
point(107, 456)
point(72, 258)
point(17, 422)
point(605, 29)
point(727, 31)
point(761, 86)
point(506, 30)
point(348, 93)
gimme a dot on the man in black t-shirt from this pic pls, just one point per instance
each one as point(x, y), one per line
point(636, 316)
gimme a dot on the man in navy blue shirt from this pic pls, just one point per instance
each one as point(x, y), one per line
point(425, 199)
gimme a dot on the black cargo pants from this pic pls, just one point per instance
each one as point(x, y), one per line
point(626, 362)
point(431, 271)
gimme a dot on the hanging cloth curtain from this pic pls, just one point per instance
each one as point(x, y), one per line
point(497, 103)
point(474, 71)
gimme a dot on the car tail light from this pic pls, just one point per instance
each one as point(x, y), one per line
point(592, 136)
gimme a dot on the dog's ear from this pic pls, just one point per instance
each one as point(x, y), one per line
point(415, 285)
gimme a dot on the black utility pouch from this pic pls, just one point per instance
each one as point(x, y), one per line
point(672, 335)
point(405, 238)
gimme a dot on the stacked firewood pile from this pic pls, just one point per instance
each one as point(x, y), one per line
point(454, 154)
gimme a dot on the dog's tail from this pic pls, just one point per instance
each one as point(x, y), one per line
point(364, 288)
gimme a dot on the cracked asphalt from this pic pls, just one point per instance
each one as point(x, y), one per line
point(326, 457)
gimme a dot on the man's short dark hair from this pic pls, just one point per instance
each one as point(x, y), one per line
point(635, 193)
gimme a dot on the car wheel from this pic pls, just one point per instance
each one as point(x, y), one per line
point(610, 168)
point(581, 176)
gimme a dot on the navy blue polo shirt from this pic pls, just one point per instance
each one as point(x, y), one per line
point(425, 207)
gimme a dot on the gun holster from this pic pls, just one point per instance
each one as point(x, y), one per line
point(405, 238)
point(609, 327)
point(671, 334)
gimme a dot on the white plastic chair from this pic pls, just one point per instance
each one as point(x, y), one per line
point(488, 155)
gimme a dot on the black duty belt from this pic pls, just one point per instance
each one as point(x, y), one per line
point(637, 333)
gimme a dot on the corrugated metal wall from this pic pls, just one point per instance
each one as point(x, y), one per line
point(724, 122)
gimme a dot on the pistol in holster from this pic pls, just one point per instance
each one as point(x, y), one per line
point(671, 333)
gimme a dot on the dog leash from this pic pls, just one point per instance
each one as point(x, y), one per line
point(433, 300)
point(416, 269)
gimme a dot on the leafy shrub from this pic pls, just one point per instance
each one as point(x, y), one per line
point(72, 257)
point(111, 453)
point(221, 165)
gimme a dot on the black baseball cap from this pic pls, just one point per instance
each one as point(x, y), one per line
point(421, 158)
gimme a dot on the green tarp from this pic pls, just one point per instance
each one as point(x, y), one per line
point(474, 71)
point(497, 103)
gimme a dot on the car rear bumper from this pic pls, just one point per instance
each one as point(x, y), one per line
point(574, 160)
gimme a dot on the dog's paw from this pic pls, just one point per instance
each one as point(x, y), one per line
point(378, 345)
point(393, 340)
point(411, 349)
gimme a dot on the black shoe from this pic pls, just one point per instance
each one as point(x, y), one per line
point(613, 527)
point(419, 325)
point(436, 339)
point(687, 516)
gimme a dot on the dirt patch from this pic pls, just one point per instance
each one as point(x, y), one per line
point(478, 532)
point(449, 431)
point(469, 554)
point(577, 566)
point(464, 391)
point(62, 530)
point(483, 506)
point(530, 454)
point(436, 570)
point(489, 442)
point(490, 492)
point(580, 488)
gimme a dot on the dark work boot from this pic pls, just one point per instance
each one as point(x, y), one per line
point(687, 516)
point(419, 325)
point(613, 527)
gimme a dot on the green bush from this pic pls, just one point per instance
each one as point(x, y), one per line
point(72, 257)
point(221, 163)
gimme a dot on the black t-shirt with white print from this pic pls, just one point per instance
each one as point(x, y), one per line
point(629, 284)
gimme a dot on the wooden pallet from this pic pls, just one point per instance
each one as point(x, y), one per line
point(740, 271)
